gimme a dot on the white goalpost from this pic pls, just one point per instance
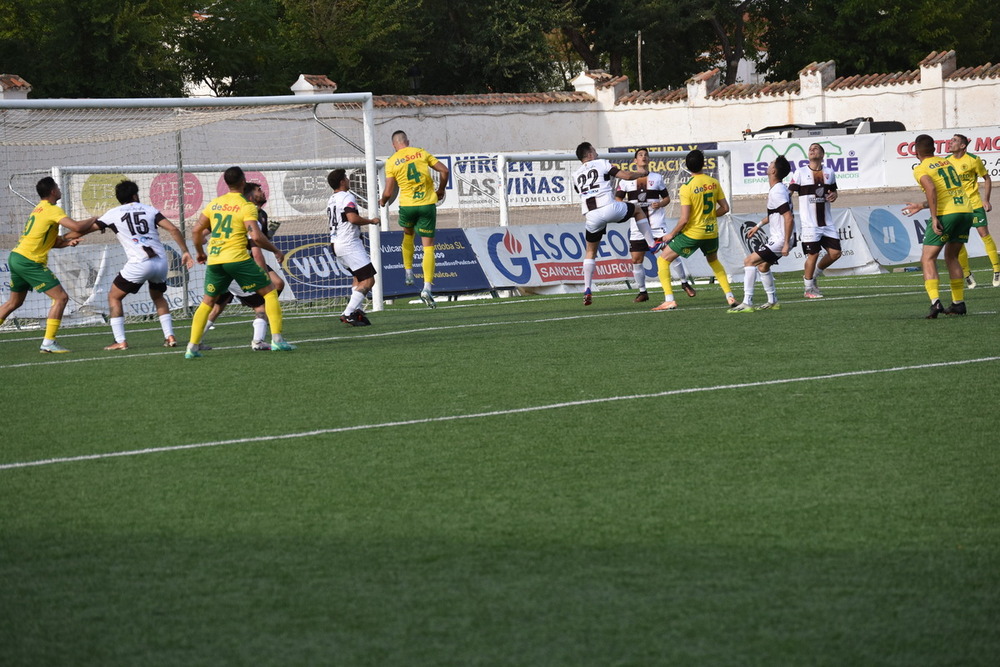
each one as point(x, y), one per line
point(176, 151)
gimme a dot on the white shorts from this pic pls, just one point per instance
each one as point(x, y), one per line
point(812, 233)
point(597, 220)
point(353, 257)
point(153, 269)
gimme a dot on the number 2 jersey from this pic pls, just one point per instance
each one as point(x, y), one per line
point(135, 226)
point(703, 194)
point(594, 181)
point(227, 217)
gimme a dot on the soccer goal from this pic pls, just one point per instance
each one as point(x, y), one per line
point(176, 151)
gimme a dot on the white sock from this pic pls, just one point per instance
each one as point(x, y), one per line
point(118, 328)
point(167, 324)
point(589, 266)
point(646, 231)
point(810, 284)
point(208, 325)
point(767, 278)
point(357, 298)
point(678, 270)
point(749, 278)
point(639, 274)
point(259, 328)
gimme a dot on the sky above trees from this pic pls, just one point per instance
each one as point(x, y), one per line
point(153, 48)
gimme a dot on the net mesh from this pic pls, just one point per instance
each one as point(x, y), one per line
point(176, 155)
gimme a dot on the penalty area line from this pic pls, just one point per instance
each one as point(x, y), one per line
point(492, 413)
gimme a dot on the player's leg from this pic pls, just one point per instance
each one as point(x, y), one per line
point(679, 269)
point(19, 285)
point(928, 264)
point(407, 220)
point(991, 252)
point(116, 313)
point(710, 247)
point(15, 301)
point(158, 293)
point(217, 281)
point(590, 264)
point(663, 261)
point(54, 319)
point(956, 279)
point(811, 251)
point(767, 280)
point(637, 249)
point(831, 243)
point(426, 228)
point(963, 261)
point(749, 283)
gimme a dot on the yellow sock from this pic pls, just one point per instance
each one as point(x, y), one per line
point(963, 259)
point(957, 290)
point(720, 275)
point(663, 272)
point(429, 264)
point(199, 321)
point(273, 309)
point(408, 252)
point(991, 251)
point(932, 289)
point(51, 327)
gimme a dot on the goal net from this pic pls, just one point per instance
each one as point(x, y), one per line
point(176, 151)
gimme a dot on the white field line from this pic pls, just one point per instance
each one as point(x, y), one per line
point(486, 415)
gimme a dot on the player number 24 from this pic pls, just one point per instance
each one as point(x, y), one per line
point(223, 224)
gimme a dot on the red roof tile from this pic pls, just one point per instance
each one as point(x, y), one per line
point(653, 96)
point(936, 58)
point(745, 90)
point(13, 82)
point(490, 99)
point(987, 71)
point(870, 80)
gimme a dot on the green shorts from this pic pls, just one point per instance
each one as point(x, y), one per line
point(422, 219)
point(247, 275)
point(979, 217)
point(956, 229)
point(26, 275)
point(685, 246)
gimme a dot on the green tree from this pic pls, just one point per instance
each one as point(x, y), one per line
point(93, 48)
point(237, 47)
point(865, 37)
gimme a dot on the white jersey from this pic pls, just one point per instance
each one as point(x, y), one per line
point(779, 202)
point(655, 190)
point(135, 225)
point(594, 181)
point(342, 232)
point(814, 210)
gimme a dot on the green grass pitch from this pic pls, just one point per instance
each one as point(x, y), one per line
point(521, 481)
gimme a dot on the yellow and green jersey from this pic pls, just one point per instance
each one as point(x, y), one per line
point(702, 193)
point(970, 169)
point(40, 232)
point(951, 196)
point(411, 167)
point(227, 216)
